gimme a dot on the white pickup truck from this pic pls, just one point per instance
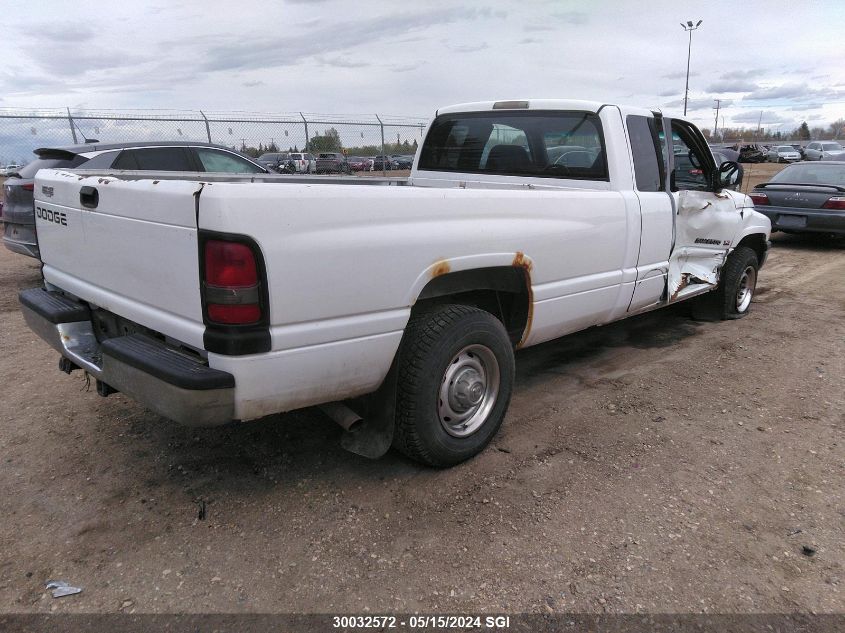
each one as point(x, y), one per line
point(395, 304)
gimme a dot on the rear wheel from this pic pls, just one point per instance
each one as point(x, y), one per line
point(737, 283)
point(456, 370)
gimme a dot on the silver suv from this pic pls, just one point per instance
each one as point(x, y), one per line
point(823, 150)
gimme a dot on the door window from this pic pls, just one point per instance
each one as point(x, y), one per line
point(217, 161)
point(691, 164)
point(155, 159)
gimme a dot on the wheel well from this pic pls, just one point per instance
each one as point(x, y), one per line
point(503, 291)
point(757, 242)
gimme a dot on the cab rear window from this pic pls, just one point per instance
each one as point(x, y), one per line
point(545, 144)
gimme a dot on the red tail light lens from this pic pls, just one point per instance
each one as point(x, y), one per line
point(836, 203)
point(231, 283)
point(29, 186)
point(234, 314)
point(759, 198)
point(229, 264)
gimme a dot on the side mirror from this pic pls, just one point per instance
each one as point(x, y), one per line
point(728, 176)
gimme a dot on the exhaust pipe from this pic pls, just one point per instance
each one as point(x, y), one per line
point(343, 415)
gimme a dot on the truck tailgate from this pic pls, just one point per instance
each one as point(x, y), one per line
point(128, 246)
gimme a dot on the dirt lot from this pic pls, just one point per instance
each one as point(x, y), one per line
point(657, 464)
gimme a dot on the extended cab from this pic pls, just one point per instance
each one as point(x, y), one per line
point(395, 304)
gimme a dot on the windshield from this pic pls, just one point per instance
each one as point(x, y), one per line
point(831, 146)
point(810, 174)
point(786, 148)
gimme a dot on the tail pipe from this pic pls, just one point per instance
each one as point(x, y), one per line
point(343, 415)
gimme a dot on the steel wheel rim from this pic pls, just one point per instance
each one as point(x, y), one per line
point(468, 391)
point(746, 289)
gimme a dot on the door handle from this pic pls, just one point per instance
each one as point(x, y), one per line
point(89, 197)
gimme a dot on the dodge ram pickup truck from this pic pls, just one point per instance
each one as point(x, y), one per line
point(396, 305)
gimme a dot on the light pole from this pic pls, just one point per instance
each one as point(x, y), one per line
point(689, 28)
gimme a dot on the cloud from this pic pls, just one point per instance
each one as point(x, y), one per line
point(732, 85)
point(785, 91)
point(341, 62)
point(572, 17)
point(403, 68)
point(667, 93)
point(272, 51)
point(679, 75)
point(252, 84)
point(530, 40)
point(696, 103)
point(741, 74)
point(534, 28)
point(769, 117)
point(469, 48)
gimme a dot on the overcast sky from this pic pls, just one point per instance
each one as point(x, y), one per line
point(408, 58)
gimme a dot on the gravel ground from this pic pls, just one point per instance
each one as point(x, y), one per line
point(656, 464)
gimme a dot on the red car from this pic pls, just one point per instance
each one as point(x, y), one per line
point(356, 163)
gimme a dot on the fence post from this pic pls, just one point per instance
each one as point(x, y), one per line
point(72, 129)
point(383, 157)
point(305, 121)
point(207, 127)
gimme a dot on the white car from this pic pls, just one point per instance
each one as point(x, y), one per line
point(783, 154)
point(305, 162)
point(8, 170)
point(823, 150)
point(395, 304)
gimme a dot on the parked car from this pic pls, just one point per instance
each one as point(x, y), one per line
point(8, 170)
point(751, 154)
point(799, 148)
point(274, 161)
point(333, 162)
point(243, 299)
point(305, 162)
point(357, 163)
point(823, 150)
point(805, 198)
point(382, 163)
point(402, 162)
point(783, 154)
point(19, 215)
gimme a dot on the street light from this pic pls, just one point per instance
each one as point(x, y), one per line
point(689, 28)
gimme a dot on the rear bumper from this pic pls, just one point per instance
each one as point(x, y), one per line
point(21, 238)
point(164, 380)
point(804, 220)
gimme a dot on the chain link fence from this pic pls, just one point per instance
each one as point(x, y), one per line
point(22, 131)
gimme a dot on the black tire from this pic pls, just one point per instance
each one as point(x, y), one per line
point(738, 274)
point(433, 343)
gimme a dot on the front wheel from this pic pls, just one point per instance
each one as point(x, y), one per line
point(456, 371)
point(737, 283)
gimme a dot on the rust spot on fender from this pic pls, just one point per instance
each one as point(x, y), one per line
point(520, 261)
point(441, 267)
point(529, 319)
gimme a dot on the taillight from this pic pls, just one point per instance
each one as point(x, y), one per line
point(231, 283)
point(759, 198)
point(695, 172)
point(836, 203)
point(29, 187)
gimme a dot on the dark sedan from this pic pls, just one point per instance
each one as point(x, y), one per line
point(19, 213)
point(333, 162)
point(805, 198)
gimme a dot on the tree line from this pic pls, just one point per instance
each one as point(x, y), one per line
point(330, 141)
point(834, 131)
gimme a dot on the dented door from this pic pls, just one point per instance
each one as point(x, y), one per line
point(705, 221)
